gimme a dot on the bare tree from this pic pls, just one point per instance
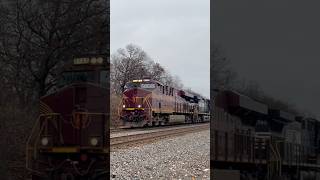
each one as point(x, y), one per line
point(167, 79)
point(156, 71)
point(130, 63)
point(127, 64)
point(223, 77)
point(221, 74)
point(170, 80)
point(249, 88)
point(43, 35)
point(177, 82)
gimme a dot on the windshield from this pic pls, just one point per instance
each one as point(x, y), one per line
point(140, 85)
point(76, 76)
point(104, 80)
point(262, 126)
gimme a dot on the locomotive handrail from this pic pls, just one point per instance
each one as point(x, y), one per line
point(275, 150)
point(33, 139)
point(35, 143)
point(276, 156)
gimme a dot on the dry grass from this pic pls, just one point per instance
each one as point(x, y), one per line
point(115, 101)
point(15, 125)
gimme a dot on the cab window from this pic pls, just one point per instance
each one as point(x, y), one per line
point(104, 78)
point(76, 76)
point(148, 86)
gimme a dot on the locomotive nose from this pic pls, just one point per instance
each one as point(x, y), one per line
point(80, 97)
point(135, 99)
point(135, 106)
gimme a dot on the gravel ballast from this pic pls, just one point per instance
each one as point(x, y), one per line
point(180, 157)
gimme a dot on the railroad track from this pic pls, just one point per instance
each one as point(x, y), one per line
point(149, 136)
point(117, 130)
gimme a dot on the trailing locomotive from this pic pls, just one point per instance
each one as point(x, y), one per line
point(255, 142)
point(148, 102)
point(70, 139)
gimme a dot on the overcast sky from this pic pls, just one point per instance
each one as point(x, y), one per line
point(175, 33)
point(276, 43)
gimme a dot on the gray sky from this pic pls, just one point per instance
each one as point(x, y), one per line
point(175, 33)
point(275, 43)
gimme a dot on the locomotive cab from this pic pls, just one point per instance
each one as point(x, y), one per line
point(136, 93)
point(136, 103)
point(72, 125)
point(262, 127)
point(145, 84)
point(85, 70)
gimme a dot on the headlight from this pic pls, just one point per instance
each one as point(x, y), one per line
point(139, 106)
point(44, 141)
point(123, 106)
point(94, 141)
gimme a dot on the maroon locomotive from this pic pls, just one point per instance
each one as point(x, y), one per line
point(70, 138)
point(148, 102)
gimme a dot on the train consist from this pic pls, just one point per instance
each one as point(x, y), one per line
point(252, 141)
point(70, 140)
point(148, 102)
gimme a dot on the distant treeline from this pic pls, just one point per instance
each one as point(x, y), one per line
point(224, 77)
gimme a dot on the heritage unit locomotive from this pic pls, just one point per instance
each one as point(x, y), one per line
point(255, 142)
point(148, 102)
point(70, 139)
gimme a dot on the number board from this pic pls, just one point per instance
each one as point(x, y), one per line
point(93, 60)
point(148, 86)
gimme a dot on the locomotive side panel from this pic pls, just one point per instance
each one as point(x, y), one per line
point(226, 135)
point(156, 100)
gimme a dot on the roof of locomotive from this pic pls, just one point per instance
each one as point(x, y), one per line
point(147, 80)
point(185, 92)
point(282, 115)
point(234, 99)
point(228, 98)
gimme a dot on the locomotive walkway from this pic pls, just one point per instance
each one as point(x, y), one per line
point(131, 138)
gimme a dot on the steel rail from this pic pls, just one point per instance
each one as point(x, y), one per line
point(126, 140)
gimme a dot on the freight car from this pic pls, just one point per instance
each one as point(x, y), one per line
point(147, 102)
point(254, 141)
point(70, 139)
